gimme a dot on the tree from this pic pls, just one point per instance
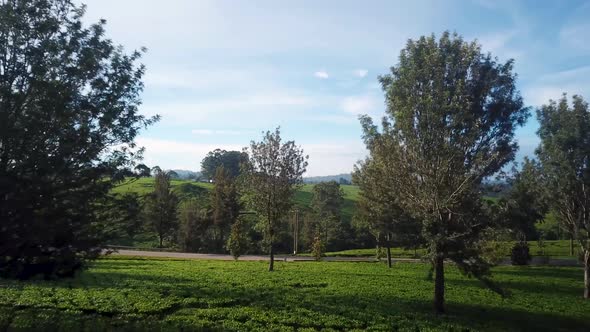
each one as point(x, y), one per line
point(564, 154)
point(225, 203)
point(272, 174)
point(194, 222)
point(68, 120)
point(378, 209)
point(524, 205)
point(326, 205)
point(237, 242)
point(450, 120)
point(123, 215)
point(230, 160)
point(161, 206)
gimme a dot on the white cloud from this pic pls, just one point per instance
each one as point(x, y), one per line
point(361, 73)
point(333, 157)
point(552, 86)
point(170, 154)
point(321, 74)
point(324, 157)
point(359, 104)
point(245, 107)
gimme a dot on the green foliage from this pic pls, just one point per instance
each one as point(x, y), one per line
point(161, 206)
point(520, 254)
point(226, 206)
point(237, 242)
point(451, 114)
point(194, 224)
point(564, 153)
point(270, 179)
point(524, 206)
point(326, 219)
point(123, 215)
point(230, 160)
point(317, 248)
point(140, 294)
point(68, 120)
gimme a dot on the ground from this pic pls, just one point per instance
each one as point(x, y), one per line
point(151, 294)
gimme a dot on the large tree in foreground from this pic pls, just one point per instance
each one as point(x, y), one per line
point(564, 154)
point(271, 176)
point(451, 116)
point(68, 119)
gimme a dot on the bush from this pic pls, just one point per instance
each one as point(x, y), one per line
point(520, 254)
point(237, 243)
point(317, 248)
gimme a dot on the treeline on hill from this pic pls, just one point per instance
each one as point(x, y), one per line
point(215, 218)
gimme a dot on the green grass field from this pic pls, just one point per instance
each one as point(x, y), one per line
point(146, 294)
point(555, 248)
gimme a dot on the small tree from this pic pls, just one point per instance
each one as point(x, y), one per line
point(225, 204)
point(451, 115)
point(194, 222)
point(524, 205)
point(237, 243)
point(161, 206)
point(272, 174)
point(317, 248)
point(326, 205)
point(564, 154)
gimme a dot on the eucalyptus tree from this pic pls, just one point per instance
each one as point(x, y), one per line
point(273, 172)
point(564, 153)
point(69, 116)
point(451, 112)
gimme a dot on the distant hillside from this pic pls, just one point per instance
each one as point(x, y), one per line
point(186, 174)
point(316, 179)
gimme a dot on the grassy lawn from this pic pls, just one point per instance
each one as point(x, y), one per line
point(142, 294)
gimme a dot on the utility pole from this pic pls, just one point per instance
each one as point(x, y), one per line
point(295, 231)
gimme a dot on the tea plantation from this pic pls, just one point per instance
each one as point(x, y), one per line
point(145, 294)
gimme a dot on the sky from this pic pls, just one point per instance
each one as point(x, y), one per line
point(221, 72)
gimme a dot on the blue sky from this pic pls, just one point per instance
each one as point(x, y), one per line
point(221, 72)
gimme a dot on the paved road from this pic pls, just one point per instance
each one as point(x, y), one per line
point(185, 255)
point(140, 253)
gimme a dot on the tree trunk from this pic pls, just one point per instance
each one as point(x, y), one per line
point(571, 246)
point(388, 256)
point(587, 274)
point(439, 285)
point(161, 240)
point(271, 263)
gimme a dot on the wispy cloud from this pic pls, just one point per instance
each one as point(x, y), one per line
point(361, 73)
point(363, 104)
point(209, 132)
point(322, 74)
point(551, 86)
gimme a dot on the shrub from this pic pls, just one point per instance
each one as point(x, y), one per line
point(317, 248)
point(520, 254)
